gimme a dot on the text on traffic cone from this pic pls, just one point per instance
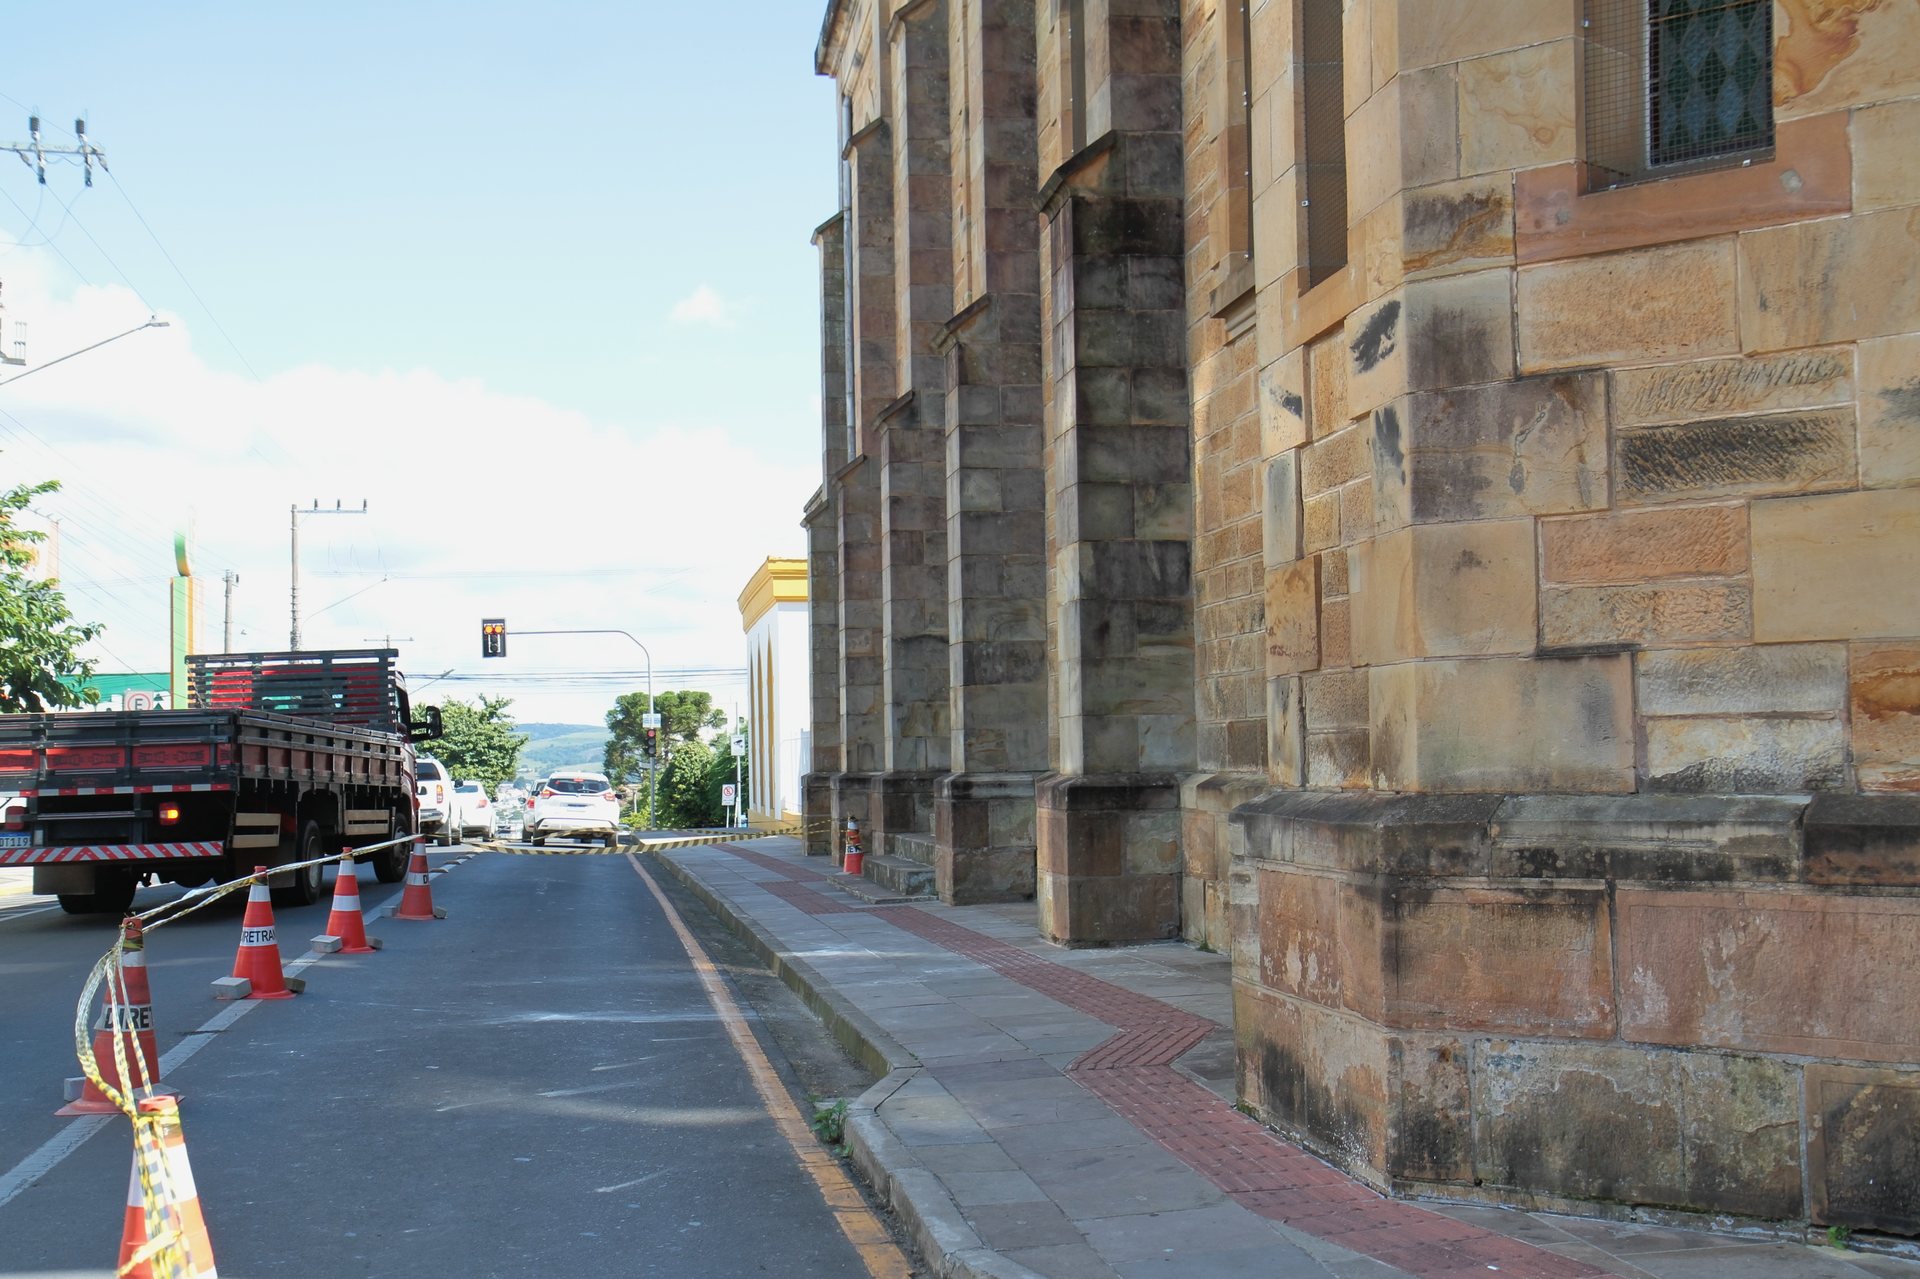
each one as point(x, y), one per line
point(258, 959)
point(124, 1032)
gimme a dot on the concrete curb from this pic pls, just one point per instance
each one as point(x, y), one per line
point(939, 1230)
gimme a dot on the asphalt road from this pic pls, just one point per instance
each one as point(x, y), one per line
point(537, 1085)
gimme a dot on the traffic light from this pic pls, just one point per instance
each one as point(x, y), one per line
point(652, 742)
point(493, 637)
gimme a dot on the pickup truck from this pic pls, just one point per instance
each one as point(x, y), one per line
point(278, 758)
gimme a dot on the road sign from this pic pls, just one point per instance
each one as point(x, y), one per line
point(493, 637)
point(727, 792)
point(739, 746)
point(650, 719)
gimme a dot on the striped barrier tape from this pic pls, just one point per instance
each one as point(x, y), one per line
point(650, 845)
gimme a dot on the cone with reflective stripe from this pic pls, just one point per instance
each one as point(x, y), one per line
point(126, 1012)
point(345, 921)
point(165, 1233)
point(259, 957)
point(417, 901)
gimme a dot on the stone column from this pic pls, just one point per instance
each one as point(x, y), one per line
point(912, 496)
point(996, 484)
point(1121, 495)
point(823, 543)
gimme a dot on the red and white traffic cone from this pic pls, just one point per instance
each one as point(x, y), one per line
point(346, 929)
point(855, 861)
point(173, 1232)
point(416, 901)
point(131, 1022)
point(258, 959)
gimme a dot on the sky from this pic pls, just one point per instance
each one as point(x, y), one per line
point(535, 284)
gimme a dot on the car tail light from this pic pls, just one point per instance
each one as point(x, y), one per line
point(607, 794)
point(548, 794)
point(169, 814)
point(439, 794)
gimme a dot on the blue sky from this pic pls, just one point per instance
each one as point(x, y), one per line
point(552, 267)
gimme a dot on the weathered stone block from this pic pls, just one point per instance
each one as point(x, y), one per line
point(1683, 306)
point(1301, 950)
point(1863, 839)
point(1818, 974)
point(1884, 174)
point(1318, 1075)
point(1286, 744)
point(1803, 452)
point(1840, 55)
point(1636, 546)
point(1334, 460)
point(1320, 522)
point(1670, 838)
point(1339, 760)
point(1430, 34)
point(1456, 226)
point(1771, 679)
point(1327, 385)
point(1430, 1132)
point(1863, 1148)
point(1293, 618)
point(1745, 755)
point(1719, 388)
point(1532, 447)
point(1586, 616)
point(1834, 280)
point(1444, 590)
point(1283, 404)
point(1281, 523)
point(1838, 566)
point(1890, 410)
point(1590, 1121)
point(1517, 108)
point(1503, 724)
point(1336, 699)
point(1886, 716)
point(1451, 331)
point(1523, 963)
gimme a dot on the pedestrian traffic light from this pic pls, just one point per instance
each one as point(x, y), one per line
point(493, 637)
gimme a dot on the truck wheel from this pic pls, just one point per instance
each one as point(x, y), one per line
point(112, 894)
point(390, 865)
point(307, 883)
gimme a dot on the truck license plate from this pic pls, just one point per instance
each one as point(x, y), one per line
point(16, 841)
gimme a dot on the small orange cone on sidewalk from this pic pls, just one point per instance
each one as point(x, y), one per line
point(126, 1013)
point(417, 901)
point(345, 924)
point(258, 959)
point(854, 861)
point(164, 1223)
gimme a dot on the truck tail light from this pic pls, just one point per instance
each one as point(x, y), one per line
point(169, 814)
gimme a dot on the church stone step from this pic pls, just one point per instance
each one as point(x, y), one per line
point(914, 848)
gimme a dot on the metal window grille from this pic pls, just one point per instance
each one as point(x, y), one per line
point(1674, 86)
point(1324, 116)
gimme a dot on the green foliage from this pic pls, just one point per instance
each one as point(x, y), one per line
point(684, 795)
point(479, 742)
point(1839, 1236)
point(829, 1124)
point(683, 713)
point(721, 773)
point(40, 663)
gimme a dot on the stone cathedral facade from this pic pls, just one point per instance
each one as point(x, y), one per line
point(1423, 496)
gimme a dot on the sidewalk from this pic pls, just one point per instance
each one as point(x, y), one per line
point(1068, 1113)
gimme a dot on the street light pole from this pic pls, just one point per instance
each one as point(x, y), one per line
point(293, 522)
point(651, 704)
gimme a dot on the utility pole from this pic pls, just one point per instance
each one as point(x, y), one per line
point(293, 521)
point(231, 579)
point(85, 151)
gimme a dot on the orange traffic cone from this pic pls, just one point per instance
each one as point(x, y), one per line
point(131, 1022)
point(416, 902)
point(345, 922)
point(258, 959)
point(164, 1222)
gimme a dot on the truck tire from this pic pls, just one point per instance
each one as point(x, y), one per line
point(390, 865)
point(308, 883)
point(112, 894)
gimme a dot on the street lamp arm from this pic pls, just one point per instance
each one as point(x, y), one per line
point(153, 322)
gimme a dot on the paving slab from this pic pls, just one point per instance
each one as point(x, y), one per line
point(1069, 1113)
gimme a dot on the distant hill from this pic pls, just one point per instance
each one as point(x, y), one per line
point(551, 746)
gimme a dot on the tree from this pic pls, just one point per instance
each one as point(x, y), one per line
point(682, 715)
point(721, 773)
point(478, 742)
point(685, 799)
point(40, 663)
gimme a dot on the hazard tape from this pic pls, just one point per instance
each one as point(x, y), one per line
point(645, 845)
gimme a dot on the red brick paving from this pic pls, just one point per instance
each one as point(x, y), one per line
point(1133, 1073)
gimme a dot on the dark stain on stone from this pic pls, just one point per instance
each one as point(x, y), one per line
point(1448, 228)
point(1724, 385)
point(1468, 559)
point(1903, 401)
point(1292, 403)
point(1584, 1136)
point(1375, 342)
point(1297, 1098)
point(1788, 449)
point(1386, 442)
point(1873, 1159)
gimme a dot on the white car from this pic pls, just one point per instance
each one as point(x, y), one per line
point(575, 805)
point(435, 790)
point(472, 810)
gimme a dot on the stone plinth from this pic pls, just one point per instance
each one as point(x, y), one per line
point(1702, 1003)
point(1109, 858)
point(984, 838)
point(901, 804)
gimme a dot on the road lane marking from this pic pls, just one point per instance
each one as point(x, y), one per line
point(629, 1185)
point(862, 1226)
point(76, 1134)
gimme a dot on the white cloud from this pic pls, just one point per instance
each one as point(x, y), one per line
point(481, 504)
point(705, 305)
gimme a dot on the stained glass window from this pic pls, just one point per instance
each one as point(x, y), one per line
point(1709, 78)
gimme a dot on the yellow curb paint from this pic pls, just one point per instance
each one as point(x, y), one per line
point(860, 1224)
